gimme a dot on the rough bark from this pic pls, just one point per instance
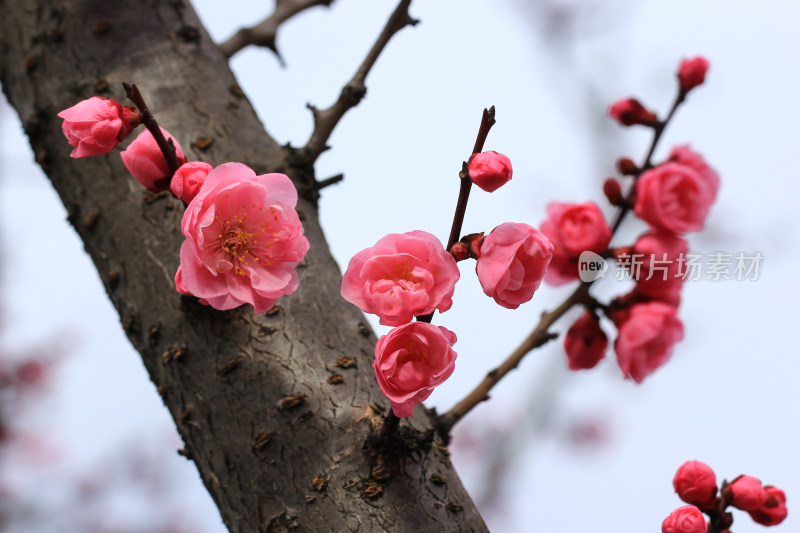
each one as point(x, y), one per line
point(278, 441)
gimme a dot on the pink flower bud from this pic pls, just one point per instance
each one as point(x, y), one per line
point(773, 511)
point(188, 179)
point(143, 159)
point(513, 260)
point(410, 361)
point(489, 170)
point(573, 229)
point(627, 167)
point(692, 72)
point(459, 251)
point(243, 239)
point(686, 519)
point(630, 112)
point(746, 493)
point(613, 192)
point(647, 333)
point(695, 483)
point(585, 342)
point(674, 197)
point(95, 126)
point(401, 276)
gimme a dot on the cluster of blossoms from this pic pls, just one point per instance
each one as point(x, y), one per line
point(696, 484)
point(412, 275)
point(673, 198)
point(243, 235)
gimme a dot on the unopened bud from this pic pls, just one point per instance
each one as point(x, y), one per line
point(692, 73)
point(459, 251)
point(627, 167)
point(613, 192)
point(630, 112)
point(489, 170)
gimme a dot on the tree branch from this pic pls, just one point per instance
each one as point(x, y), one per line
point(278, 443)
point(167, 147)
point(265, 32)
point(541, 335)
point(352, 93)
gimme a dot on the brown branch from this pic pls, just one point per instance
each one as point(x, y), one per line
point(326, 120)
point(541, 335)
point(487, 121)
point(327, 182)
point(265, 32)
point(167, 146)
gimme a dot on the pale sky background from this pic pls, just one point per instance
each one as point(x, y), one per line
point(729, 395)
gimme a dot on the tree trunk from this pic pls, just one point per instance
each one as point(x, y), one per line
point(278, 440)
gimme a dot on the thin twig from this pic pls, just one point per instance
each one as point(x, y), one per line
point(658, 130)
point(326, 120)
point(167, 146)
point(541, 335)
point(327, 182)
point(487, 121)
point(265, 32)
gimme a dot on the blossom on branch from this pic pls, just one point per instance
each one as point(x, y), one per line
point(630, 112)
point(684, 155)
point(695, 483)
point(489, 170)
point(773, 511)
point(647, 333)
point(401, 276)
point(674, 197)
point(512, 262)
point(144, 159)
point(692, 72)
point(746, 493)
point(410, 361)
point(97, 125)
point(188, 179)
point(573, 229)
point(659, 276)
point(686, 519)
point(585, 342)
point(243, 239)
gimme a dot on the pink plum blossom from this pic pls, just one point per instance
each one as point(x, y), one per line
point(403, 275)
point(647, 333)
point(746, 493)
point(143, 159)
point(97, 125)
point(585, 342)
point(695, 483)
point(674, 197)
point(686, 519)
point(243, 239)
point(512, 262)
point(188, 179)
point(773, 511)
point(573, 229)
point(684, 155)
point(410, 361)
point(489, 170)
point(662, 265)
